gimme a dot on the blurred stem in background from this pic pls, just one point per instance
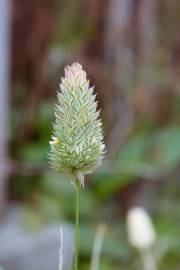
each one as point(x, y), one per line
point(148, 260)
point(61, 249)
point(5, 10)
point(98, 241)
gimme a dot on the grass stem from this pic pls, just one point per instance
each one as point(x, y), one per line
point(77, 228)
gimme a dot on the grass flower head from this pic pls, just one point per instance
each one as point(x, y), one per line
point(77, 146)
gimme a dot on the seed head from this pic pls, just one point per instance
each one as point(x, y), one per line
point(76, 147)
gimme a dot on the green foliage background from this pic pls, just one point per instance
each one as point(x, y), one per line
point(150, 153)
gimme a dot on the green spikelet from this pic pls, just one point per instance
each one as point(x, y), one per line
point(77, 146)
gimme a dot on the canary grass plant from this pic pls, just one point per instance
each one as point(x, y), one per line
point(77, 146)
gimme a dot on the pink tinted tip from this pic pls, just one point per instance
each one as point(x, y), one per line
point(66, 71)
point(78, 66)
point(71, 70)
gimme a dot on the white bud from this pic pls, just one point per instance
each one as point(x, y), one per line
point(141, 232)
point(102, 146)
point(54, 141)
point(94, 141)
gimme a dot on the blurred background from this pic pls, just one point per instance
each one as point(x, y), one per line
point(131, 52)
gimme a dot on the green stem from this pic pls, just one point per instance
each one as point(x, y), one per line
point(77, 228)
